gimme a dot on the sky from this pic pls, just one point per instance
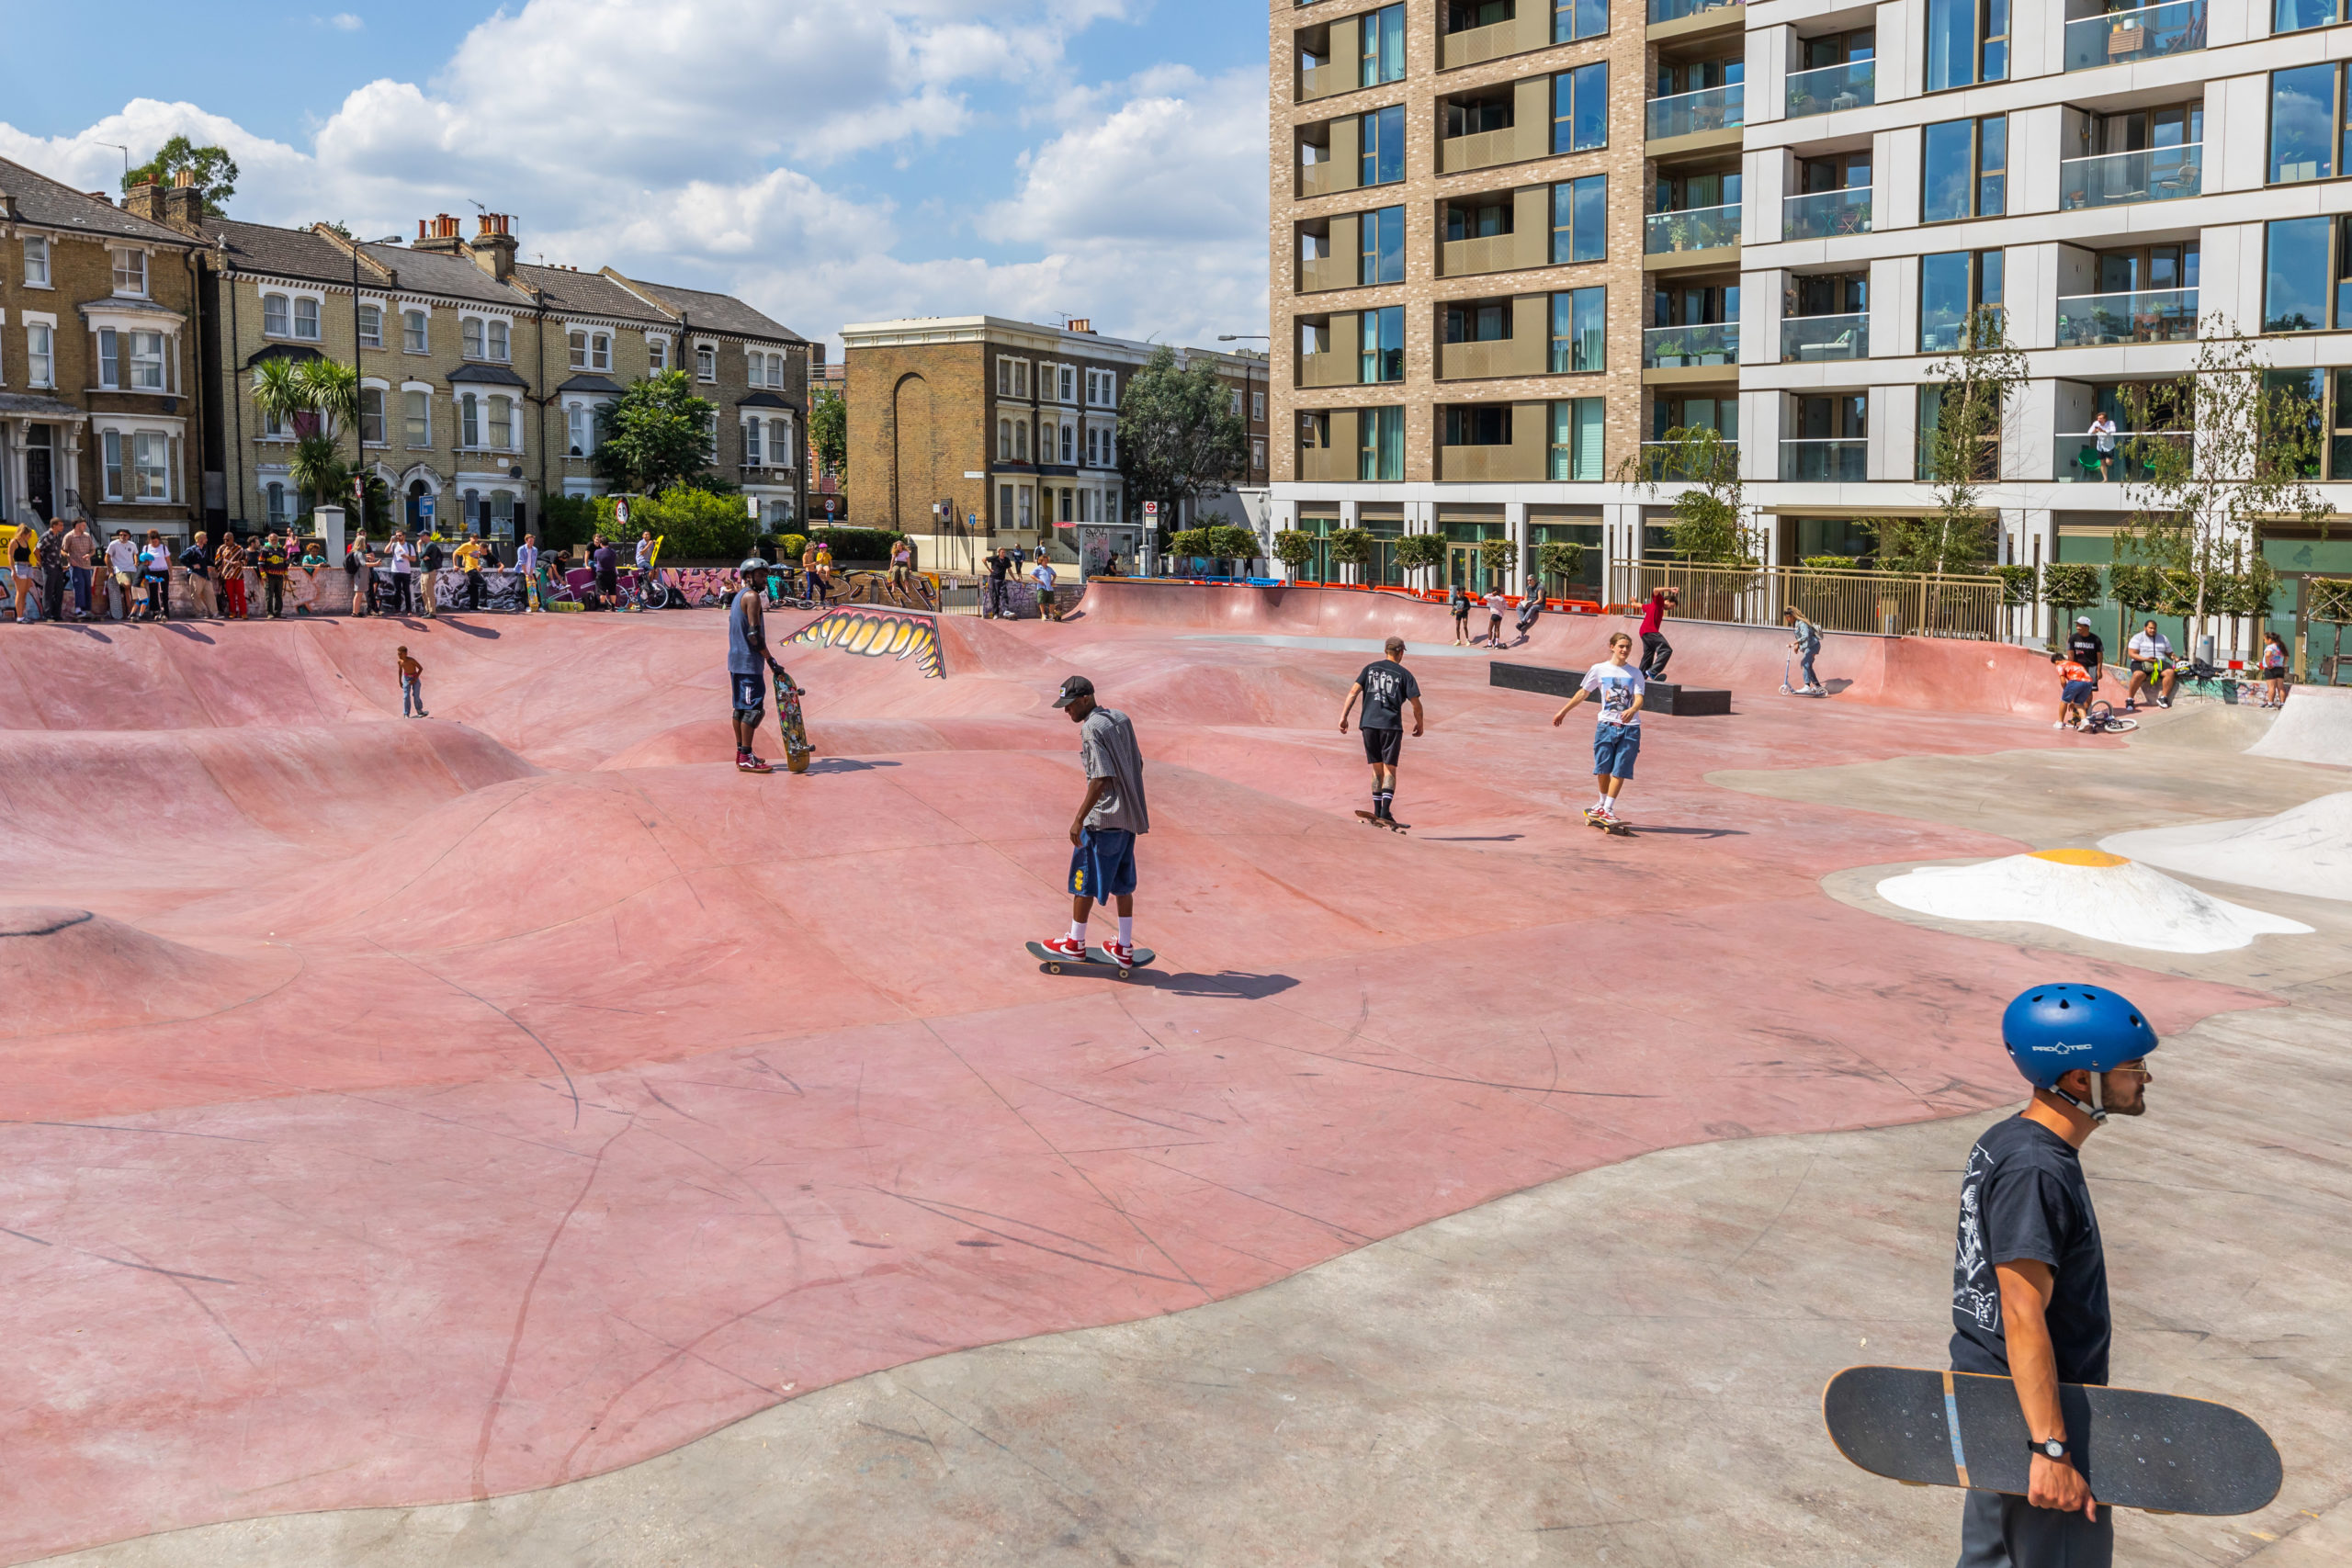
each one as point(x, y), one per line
point(828, 161)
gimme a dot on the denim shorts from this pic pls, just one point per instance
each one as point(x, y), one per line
point(2076, 691)
point(751, 698)
point(1614, 747)
point(1103, 864)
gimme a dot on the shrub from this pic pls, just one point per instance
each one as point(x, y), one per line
point(565, 521)
point(694, 524)
point(1229, 542)
point(2137, 588)
point(1417, 551)
point(2069, 585)
point(1496, 553)
point(1352, 546)
point(2017, 585)
point(1831, 563)
point(1189, 543)
point(857, 544)
point(1560, 558)
point(1293, 549)
point(789, 545)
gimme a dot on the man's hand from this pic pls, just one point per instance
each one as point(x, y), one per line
point(2054, 1483)
point(1075, 829)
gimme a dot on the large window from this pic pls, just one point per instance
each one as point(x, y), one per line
point(1383, 36)
point(1964, 169)
point(37, 261)
point(502, 425)
point(1580, 220)
point(110, 358)
point(130, 272)
point(1579, 338)
point(1381, 235)
point(1382, 136)
point(1477, 424)
point(418, 411)
point(1380, 443)
point(147, 362)
point(1573, 19)
point(276, 319)
point(41, 369)
point(2304, 276)
point(470, 337)
point(1575, 439)
point(1953, 286)
point(1968, 41)
point(371, 326)
point(151, 467)
point(499, 343)
point(469, 419)
point(2293, 16)
point(1478, 321)
point(371, 416)
point(110, 458)
point(1381, 340)
point(306, 319)
point(2308, 137)
point(413, 333)
point(1580, 109)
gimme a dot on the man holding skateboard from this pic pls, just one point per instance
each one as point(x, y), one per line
point(1385, 686)
point(1102, 834)
point(2029, 1272)
point(747, 651)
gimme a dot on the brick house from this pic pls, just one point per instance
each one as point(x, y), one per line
point(99, 399)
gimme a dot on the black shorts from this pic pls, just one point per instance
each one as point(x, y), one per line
point(751, 698)
point(1383, 746)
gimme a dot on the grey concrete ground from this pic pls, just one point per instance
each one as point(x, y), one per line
point(1622, 1367)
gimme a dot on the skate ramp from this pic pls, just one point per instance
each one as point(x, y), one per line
point(2314, 726)
point(2092, 894)
point(2307, 850)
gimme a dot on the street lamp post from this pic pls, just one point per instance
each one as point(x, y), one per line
point(1250, 390)
point(359, 391)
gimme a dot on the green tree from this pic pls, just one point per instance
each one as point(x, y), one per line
point(1711, 509)
point(2221, 449)
point(1294, 549)
point(1178, 435)
point(311, 397)
point(215, 172)
point(1963, 453)
point(1189, 543)
point(829, 431)
point(1350, 546)
point(1560, 558)
point(1495, 555)
point(1230, 542)
point(1419, 552)
point(656, 435)
point(2069, 585)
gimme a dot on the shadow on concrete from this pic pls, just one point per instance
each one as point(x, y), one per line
point(178, 628)
point(847, 765)
point(1228, 983)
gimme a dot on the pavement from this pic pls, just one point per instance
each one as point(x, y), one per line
point(470, 1136)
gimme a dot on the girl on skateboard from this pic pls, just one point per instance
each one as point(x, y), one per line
point(1617, 736)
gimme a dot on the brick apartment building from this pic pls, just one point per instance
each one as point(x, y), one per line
point(970, 432)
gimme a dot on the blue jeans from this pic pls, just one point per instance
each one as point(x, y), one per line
point(80, 577)
point(411, 697)
point(1804, 658)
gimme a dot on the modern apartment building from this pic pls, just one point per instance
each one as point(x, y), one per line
point(970, 432)
point(1788, 265)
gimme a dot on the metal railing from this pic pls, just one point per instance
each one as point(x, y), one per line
point(1826, 213)
point(1693, 229)
point(1828, 87)
point(2150, 315)
point(2122, 36)
point(1675, 10)
point(2076, 458)
point(1707, 109)
point(1808, 339)
point(1668, 348)
point(2114, 179)
point(1883, 603)
point(1836, 460)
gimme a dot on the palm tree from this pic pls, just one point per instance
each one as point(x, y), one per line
point(313, 396)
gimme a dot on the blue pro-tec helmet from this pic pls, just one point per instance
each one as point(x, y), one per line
point(2052, 1030)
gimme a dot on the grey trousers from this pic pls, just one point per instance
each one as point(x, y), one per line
point(1997, 1531)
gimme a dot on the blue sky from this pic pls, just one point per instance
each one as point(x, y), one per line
point(830, 160)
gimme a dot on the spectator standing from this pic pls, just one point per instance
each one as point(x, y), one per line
point(156, 562)
point(526, 567)
point(358, 570)
point(25, 570)
point(80, 550)
point(1042, 575)
point(230, 564)
point(198, 567)
point(122, 572)
point(428, 575)
point(2274, 669)
point(469, 562)
point(608, 573)
point(271, 560)
point(401, 562)
point(1495, 605)
point(999, 565)
point(1457, 601)
point(2086, 648)
point(52, 570)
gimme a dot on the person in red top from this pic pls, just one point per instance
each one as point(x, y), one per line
point(2075, 688)
point(1656, 649)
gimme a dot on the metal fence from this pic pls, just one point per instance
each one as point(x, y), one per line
point(1887, 604)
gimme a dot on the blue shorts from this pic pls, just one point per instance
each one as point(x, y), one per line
point(1103, 864)
point(751, 698)
point(1614, 747)
point(2076, 691)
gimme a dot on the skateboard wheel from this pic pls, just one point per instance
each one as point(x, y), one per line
point(1053, 968)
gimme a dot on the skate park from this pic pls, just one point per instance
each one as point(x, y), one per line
point(515, 1135)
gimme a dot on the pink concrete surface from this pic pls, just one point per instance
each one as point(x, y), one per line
point(426, 1109)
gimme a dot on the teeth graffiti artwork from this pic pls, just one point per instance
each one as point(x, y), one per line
point(2090, 892)
point(877, 634)
point(2307, 850)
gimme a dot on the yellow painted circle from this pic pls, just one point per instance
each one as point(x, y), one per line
point(2080, 857)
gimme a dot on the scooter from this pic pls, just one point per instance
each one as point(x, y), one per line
point(1789, 690)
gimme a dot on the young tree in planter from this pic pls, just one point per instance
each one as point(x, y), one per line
point(1562, 559)
point(2203, 499)
point(1421, 552)
point(1495, 556)
point(2329, 603)
point(1963, 451)
point(1709, 513)
point(1231, 543)
point(1350, 546)
point(2017, 590)
point(2068, 586)
point(1178, 438)
point(1294, 548)
point(656, 434)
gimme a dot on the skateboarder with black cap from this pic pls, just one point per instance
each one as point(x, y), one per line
point(1102, 834)
point(2029, 1272)
point(747, 650)
point(1385, 686)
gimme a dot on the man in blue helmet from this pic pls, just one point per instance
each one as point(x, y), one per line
point(2029, 1274)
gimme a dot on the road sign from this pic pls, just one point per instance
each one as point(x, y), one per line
point(1151, 509)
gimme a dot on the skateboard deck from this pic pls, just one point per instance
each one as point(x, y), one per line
point(1095, 960)
point(1390, 823)
point(797, 749)
point(1620, 829)
point(2154, 1452)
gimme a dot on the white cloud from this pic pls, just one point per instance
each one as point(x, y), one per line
point(690, 141)
point(343, 21)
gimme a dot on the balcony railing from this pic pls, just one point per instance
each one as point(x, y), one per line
point(1662, 460)
point(1492, 252)
point(2078, 459)
point(1326, 178)
point(1884, 604)
point(1694, 228)
point(2114, 179)
point(2122, 36)
point(1484, 149)
point(1842, 459)
point(1532, 28)
point(1497, 356)
point(2157, 315)
point(1827, 213)
point(1675, 10)
point(1847, 86)
point(1491, 464)
point(1709, 109)
point(1672, 348)
point(1807, 338)
point(1318, 273)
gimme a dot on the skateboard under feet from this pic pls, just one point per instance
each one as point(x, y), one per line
point(1388, 822)
point(1096, 961)
point(1606, 824)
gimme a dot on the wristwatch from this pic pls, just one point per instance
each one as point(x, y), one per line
point(2048, 1448)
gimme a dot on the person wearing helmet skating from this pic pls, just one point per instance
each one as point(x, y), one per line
point(2029, 1272)
point(747, 650)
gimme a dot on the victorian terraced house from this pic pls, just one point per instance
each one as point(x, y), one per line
point(97, 409)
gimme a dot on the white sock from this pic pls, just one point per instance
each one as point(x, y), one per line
point(1601, 803)
point(1127, 931)
point(1078, 933)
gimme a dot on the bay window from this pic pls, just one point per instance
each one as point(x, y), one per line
point(502, 425)
point(147, 362)
point(110, 358)
point(41, 367)
point(578, 437)
point(111, 451)
point(752, 444)
point(468, 421)
point(151, 472)
point(780, 443)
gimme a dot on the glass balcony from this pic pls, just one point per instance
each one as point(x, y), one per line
point(1671, 348)
point(1675, 10)
point(2158, 315)
point(2078, 459)
point(1840, 460)
point(1694, 228)
point(2142, 34)
point(1807, 338)
point(1827, 213)
point(2159, 174)
point(1847, 86)
point(1709, 109)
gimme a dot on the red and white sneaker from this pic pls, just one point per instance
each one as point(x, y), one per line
point(747, 763)
point(1120, 954)
point(1063, 947)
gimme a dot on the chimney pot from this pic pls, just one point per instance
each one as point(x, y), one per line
point(183, 177)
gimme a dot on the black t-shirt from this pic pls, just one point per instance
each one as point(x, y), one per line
point(430, 556)
point(1388, 687)
point(998, 567)
point(2088, 651)
point(2024, 1196)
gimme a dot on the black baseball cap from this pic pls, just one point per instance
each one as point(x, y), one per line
point(1077, 686)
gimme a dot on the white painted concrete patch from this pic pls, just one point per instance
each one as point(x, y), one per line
point(2307, 850)
point(2314, 726)
point(2103, 897)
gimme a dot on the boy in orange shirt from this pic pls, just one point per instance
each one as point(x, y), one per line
point(2075, 688)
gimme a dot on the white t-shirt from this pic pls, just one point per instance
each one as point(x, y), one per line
point(122, 555)
point(1495, 605)
point(400, 559)
point(1616, 686)
point(2143, 646)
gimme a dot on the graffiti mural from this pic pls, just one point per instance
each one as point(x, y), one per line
point(878, 634)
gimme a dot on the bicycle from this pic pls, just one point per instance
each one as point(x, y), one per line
point(2101, 718)
point(648, 590)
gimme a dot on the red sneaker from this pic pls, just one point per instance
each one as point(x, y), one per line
point(1062, 947)
point(1124, 956)
point(748, 764)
